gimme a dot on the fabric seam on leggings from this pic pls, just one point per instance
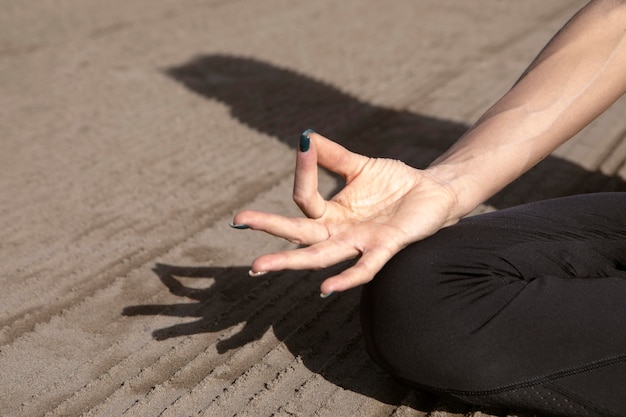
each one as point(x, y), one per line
point(580, 400)
point(613, 360)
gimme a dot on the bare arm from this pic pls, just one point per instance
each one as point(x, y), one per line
point(387, 205)
point(577, 76)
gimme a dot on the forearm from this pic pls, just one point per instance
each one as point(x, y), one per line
point(579, 74)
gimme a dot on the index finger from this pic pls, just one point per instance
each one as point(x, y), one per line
point(305, 186)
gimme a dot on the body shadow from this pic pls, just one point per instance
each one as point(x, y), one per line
point(326, 334)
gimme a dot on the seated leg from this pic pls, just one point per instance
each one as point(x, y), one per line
point(522, 308)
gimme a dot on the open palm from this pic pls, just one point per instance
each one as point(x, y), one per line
point(384, 206)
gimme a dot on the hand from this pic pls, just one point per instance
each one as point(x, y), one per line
point(384, 206)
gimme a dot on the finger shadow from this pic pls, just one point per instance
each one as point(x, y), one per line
point(280, 102)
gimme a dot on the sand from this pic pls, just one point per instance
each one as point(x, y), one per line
point(132, 130)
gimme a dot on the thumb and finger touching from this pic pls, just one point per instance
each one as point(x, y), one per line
point(325, 251)
point(316, 150)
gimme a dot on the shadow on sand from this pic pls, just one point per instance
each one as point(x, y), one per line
point(325, 334)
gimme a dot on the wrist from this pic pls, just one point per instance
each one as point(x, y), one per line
point(462, 187)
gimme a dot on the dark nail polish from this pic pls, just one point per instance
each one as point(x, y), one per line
point(305, 141)
point(239, 226)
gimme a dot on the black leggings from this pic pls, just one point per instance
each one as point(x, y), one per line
point(522, 309)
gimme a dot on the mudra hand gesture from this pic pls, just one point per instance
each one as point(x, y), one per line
point(384, 206)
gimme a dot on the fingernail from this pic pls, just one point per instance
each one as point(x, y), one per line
point(305, 141)
point(239, 226)
point(322, 295)
point(256, 274)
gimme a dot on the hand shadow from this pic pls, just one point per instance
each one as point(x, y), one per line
point(326, 335)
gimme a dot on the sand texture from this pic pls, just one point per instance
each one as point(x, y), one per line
point(132, 130)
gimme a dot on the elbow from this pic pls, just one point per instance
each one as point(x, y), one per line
point(611, 7)
point(609, 13)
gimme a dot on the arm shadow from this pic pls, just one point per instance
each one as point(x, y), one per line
point(281, 102)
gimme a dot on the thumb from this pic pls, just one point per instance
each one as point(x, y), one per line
point(336, 158)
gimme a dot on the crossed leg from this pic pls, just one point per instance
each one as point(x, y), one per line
point(523, 308)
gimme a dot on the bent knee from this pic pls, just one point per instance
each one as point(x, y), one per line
point(430, 343)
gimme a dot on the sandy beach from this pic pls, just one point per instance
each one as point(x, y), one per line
point(131, 131)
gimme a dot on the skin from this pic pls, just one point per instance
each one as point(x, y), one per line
point(387, 205)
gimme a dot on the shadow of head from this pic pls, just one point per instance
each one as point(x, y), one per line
point(281, 102)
